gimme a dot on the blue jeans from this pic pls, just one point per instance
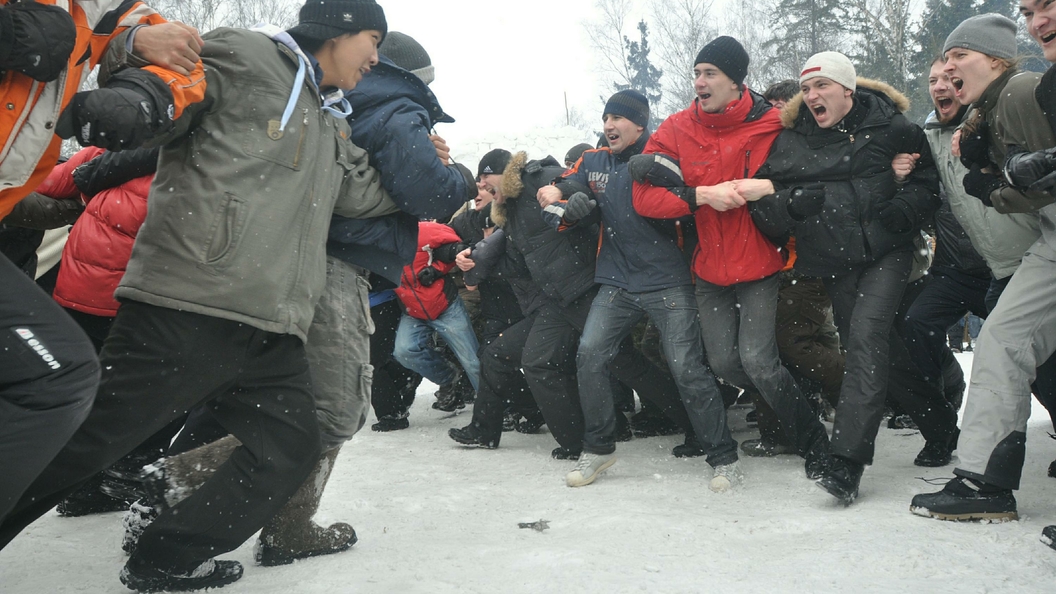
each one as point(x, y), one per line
point(612, 317)
point(413, 352)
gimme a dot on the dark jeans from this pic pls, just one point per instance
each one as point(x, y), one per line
point(612, 317)
point(864, 303)
point(549, 363)
point(48, 379)
point(159, 363)
point(738, 325)
point(947, 295)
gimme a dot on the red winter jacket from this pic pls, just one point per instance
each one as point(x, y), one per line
point(420, 301)
point(712, 148)
point(100, 242)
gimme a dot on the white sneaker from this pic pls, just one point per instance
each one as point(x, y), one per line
point(726, 476)
point(588, 468)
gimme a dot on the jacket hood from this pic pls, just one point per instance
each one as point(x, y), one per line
point(511, 186)
point(387, 81)
point(887, 94)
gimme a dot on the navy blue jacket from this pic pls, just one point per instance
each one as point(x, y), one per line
point(636, 254)
point(392, 113)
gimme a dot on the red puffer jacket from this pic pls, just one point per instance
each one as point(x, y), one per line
point(428, 302)
point(100, 243)
point(712, 148)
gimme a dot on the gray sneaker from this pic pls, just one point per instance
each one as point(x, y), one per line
point(588, 468)
point(726, 476)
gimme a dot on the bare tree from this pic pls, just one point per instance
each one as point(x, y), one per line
point(207, 15)
point(606, 34)
point(682, 28)
point(744, 21)
point(887, 41)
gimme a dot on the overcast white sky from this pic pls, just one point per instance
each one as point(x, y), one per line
point(503, 64)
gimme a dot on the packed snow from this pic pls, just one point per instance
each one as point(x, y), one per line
point(435, 517)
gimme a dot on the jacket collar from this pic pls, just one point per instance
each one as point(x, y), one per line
point(989, 98)
point(386, 81)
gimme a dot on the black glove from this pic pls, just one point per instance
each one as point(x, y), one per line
point(806, 202)
point(428, 275)
point(36, 39)
point(133, 108)
point(975, 146)
point(578, 206)
point(1022, 169)
point(895, 215)
point(110, 170)
point(980, 185)
point(657, 169)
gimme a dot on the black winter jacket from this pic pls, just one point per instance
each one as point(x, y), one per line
point(953, 248)
point(855, 167)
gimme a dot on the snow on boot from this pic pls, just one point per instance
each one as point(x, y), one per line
point(292, 534)
point(818, 459)
point(967, 499)
point(139, 515)
point(726, 476)
point(588, 468)
point(842, 478)
point(210, 574)
point(1048, 536)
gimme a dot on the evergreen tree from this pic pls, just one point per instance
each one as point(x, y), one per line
point(645, 78)
point(804, 28)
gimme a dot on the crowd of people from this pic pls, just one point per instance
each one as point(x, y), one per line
point(311, 251)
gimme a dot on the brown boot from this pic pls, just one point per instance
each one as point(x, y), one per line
point(292, 534)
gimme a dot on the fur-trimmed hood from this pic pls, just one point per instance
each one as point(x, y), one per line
point(510, 187)
point(790, 113)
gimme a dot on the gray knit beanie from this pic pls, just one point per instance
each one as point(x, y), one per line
point(409, 55)
point(990, 34)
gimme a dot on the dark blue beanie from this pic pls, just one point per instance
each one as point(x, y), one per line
point(630, 104)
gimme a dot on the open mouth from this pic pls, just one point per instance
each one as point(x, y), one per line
point(943, 103)
point(612, 137)
point(1047, 37)
point(818, 110)
point(957, 83)
point(704, 96)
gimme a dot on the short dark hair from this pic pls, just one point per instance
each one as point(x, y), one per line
point(783, 90)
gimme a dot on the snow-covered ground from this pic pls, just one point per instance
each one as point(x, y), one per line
point(434, 517)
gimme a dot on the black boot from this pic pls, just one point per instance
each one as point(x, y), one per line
point(210, 574)
point(967, 499)
point(757, 448)
point(530, 424)
point(1048, 536)
point(691, 448)
point(818, 459)
point(842, 478)
point(388, 423)
point(938, 452)
point(565, 454)
point(90, 499)
point(471, 435)
point(451, 397)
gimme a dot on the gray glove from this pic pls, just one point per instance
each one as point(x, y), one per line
point(578, 206)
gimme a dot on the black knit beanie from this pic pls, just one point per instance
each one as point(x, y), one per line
point(630, 104)
point(494, 162)
point(728, 55)
point(576, 152)
point(408, 54)
point(325, 19)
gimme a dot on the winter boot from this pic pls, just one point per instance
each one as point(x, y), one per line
point(560, 453)
point(90, 499)
point(726, 476)
point(139, 515)
point(390, 423)
point(818, 459)
point(842, 478)
point(691, 448)
point(509, 420)
point(530, 425)
point(449, 397)
point(471, 435)
point(121, 481)
point(967, 499)
point(938, 452)
point(588, 468)
point(210, 574)
point(1048, 536)
point(757, 448)
point(292, 534)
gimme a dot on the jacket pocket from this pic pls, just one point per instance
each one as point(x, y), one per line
point(262, 137)
point(226, 231)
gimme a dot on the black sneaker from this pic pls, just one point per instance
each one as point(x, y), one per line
point(652, 424)
point(565, 454)
point(210, 574)
point(691, 448)
point(841, 479)
point(757, 448)
point(471, 435)
point(937, 452)
point(1048, 536)
point(390, 424)
point(967, 499)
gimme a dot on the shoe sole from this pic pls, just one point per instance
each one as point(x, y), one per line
point(844, 499)
point(471, 443)
point(932, 463)
point(275, 558)
point(991, 517)
point(590, 479)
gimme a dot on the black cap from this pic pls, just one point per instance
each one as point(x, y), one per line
point(326, 19)
point(494, 162)
point(576, 152)
point(728, 55)
point(630, 104)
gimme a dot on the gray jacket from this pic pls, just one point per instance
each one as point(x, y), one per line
point(1001, 239)
point(245, 187)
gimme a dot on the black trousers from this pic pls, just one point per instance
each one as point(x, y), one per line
point(158, 363)
point(549, 362)
point(389, 376)
point(48, 378)
point(501, 380)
